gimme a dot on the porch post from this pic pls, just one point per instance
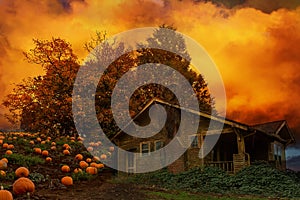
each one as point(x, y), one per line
point(239, 159)
point(240, 143)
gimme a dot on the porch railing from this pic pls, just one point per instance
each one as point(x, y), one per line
point(224, 165)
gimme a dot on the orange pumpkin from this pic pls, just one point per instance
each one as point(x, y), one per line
point(67, 181)
point(53, 148)
point(92, 144)
point(5, 160)
point(1, 141)
point(48, 159)
point(43, 142)
point(22, 172)
point(96, 159)
point(90, 148)
point(23, 185)
point(88, 160)
point(2, 173)
point(66, 152)
point(83, 164)
point(38, 139)
point(37, 150)
point(31, 142)
point(91, 170)
point(45, 153)
point(65, 168)
point(8, 152)
point(5, 145)
point(53, 143)
point(5, 194)
point(111, 149)
point(79, 157)
point(93, 164)
point(77, 170)
point(99, 166)
point(99, 143)
point(103, 157)
point(66, 146)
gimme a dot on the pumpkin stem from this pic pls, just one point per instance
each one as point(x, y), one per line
point(28, 195)
point(2, 188)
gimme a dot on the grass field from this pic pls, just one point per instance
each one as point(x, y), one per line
point(187, 196)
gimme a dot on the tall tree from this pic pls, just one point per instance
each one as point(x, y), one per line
point(44, 103)
point(173, 41)
point(144, 94)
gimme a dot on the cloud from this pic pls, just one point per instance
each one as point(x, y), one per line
point(293, 163)
point(255, 49)
point(269, 6)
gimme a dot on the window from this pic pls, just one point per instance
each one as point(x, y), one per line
point(158, 145)
point(277, 152)
point(145, 148)
point(194, 140)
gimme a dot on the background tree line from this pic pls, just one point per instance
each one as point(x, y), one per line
point(44, 103)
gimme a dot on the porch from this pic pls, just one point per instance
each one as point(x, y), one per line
point(239, 161)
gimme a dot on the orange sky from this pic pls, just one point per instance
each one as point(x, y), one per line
point(257, 53)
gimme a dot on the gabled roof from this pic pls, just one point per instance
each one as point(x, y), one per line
point(200, 113)
point(270, 127)
point(273, 129)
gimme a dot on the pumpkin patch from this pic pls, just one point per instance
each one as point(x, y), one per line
point(37, 159)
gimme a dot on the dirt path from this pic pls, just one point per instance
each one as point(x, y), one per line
point(90, 190)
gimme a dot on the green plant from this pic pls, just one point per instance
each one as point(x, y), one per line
point(82, 176)
point(37, 177)
point(259, 179)
point(23, 160)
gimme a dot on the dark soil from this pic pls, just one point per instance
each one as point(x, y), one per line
point(96, 189)
point(51, 188)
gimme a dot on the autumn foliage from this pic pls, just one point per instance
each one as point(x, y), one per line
point(44, 103)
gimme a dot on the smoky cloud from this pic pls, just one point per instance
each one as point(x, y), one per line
point(266, 6)
point(254, 43)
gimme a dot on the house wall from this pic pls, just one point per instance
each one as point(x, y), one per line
point(231, 142)
point(179, 165)
point(192, 157)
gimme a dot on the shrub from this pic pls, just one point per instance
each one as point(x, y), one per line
point(25, 161)
point(259, 179)
point(265, 180)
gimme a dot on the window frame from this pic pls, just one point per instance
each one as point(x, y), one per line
point(141, 148)
point(277, 152)
point(155, 144)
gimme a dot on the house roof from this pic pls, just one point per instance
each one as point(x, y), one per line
point(200, 113)
point(270, 128)
point(273, 129)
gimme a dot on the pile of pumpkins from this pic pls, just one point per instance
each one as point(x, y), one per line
point(23, 185)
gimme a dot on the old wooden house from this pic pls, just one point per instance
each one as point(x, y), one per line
point(238, 146)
